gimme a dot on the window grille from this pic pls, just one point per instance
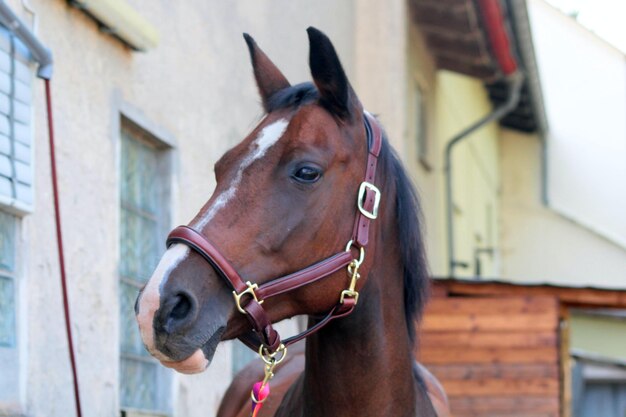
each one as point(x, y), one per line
point(242, 355)
point(144, 383)
point(16, 156)
point(16, 197)
point(9, 354)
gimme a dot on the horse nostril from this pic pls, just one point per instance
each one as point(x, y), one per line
point(176, 313)
point(182, 307)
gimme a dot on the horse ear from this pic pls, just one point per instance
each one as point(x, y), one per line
point(336, 93)
point(268, 77)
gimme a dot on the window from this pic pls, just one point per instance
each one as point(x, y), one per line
point(598, 388)
point(242, 355)
point(16, 197)
point(16, 174)
point(8, 313)
point(144, 221)
point(421, 134)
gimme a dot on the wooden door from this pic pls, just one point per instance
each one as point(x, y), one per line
point(494, 356)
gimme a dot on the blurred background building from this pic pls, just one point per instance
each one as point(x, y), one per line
point(149, 94)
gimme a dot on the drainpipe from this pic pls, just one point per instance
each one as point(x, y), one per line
point(493, 21)
point(515, 83)
point(39, 52)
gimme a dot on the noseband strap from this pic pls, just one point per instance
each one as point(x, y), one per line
point(249, 297)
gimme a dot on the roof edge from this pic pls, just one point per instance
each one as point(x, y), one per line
point(518, 10)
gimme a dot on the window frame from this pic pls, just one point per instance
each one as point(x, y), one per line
point(10, 273)
point(18, 109)
point(420, 125)
point(592, 372)
point(127, 117)
point(15, 352)
point(241, 356)
point(19, 54)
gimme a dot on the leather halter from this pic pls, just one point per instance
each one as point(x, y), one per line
point(249, 296)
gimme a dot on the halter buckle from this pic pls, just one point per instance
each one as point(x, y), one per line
point(349, 294)
point(250, 290)
point(365, 186)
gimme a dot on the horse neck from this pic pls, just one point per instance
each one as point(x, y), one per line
point(363, 364)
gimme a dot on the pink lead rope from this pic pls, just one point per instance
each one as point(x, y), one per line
point(260, 391)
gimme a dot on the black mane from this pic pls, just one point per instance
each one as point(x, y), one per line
point(412, 251)
point(408, 213)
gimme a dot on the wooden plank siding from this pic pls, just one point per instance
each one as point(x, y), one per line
point(569, 296)
point(495, 356)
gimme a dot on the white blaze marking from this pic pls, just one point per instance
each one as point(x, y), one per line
point(267, 137)
point(151, 295)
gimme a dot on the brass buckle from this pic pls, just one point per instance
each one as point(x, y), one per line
point(362, 190)
point(250, 290)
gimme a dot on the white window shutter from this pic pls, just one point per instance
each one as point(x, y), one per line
point(16, 135)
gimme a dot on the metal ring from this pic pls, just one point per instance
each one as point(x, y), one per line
point(361, 252)
point(271, 358)
point(256, 401)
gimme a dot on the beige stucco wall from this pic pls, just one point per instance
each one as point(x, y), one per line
point(460, 101)
point(451, 103)
point(426, 174)
point(539, 245)
point(392, 58)
point(196, 85)
point(381, 62)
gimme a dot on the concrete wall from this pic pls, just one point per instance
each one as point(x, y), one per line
point(197, 86)
point(584, 87)
point(538, 244)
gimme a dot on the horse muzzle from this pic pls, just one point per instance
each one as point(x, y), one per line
point(177, 326)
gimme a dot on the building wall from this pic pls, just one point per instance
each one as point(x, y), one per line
point(380, 68)
point(495, 356)
point(196, 90)
point(425, 166)
point(538, 244)
point(197, 87)
point(452, 102)
point(460, 101)
point(601, 335)
point(584, 87)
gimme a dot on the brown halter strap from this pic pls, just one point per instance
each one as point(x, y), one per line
point(249, 296)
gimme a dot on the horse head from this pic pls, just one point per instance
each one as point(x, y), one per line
point(285, 199)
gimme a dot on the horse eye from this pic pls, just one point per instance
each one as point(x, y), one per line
point(307, 175)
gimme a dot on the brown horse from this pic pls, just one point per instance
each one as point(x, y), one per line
point(292, 201)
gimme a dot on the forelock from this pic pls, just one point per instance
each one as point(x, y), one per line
point(293, 97)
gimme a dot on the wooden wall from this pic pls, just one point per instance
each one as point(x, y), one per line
point(495, 356)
